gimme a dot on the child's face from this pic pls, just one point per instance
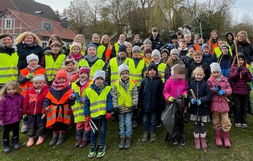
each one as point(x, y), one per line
point(224, 50)
point(230, 37)
point(183, 45)
point(179, 76)
point(79, 40)
point(174, 56)
point(129, 48)
point(199, 76)
point(137, 39)
point(39, 84)
point(122, 54)
point(221, 43)
point(148, 55)
point(55, 49)
point(75, 50)
point(11, 90)
point(214, 35)
point(99, 82)
point(147, 45)
point(70, 67)
point(187, 38)
point(152, 73)
point(124, 75)
point(191, 51)
point(33, 63)
point(197, 58)
point(95, 38)
point(61, 80)
point(156, 58)
point(200, 40)
point(216, 74)
point(241, 61)
point(83, 76)
point(92, 51)
point(205, 50)
point(164, 55)
point(136, 54)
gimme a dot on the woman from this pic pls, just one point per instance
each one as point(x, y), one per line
point(213, 41)
point(104, 50)
point(28, 43)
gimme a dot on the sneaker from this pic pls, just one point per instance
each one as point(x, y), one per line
point(244, 126)
point(92, 152)
point(152, 136)
point(174, 141)
point(238, 125)
point(182, 142)
point(6, 149)
point(101, 151)
point(145, 136)
point(122, 142)
point(158, 125)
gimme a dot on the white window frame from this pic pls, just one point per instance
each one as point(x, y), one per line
point(6, 24)
point(43, 43)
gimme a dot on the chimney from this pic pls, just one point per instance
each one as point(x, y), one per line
point(64, 22)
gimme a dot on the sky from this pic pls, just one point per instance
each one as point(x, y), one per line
point(239, 10)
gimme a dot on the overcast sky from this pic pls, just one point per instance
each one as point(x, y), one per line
point(240, 8)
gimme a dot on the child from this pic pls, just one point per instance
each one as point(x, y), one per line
point(165, 55)
point(207, 57)
point(225, 61)
point(150, 97)
point(182, 48)
point(174, 58)
point(10, 113)
point(174, 88)
point(239, 77)
point(79, 89)
point(97, 109)
point(57, 107)
point(75, 52)
point(32, 107)
point(200, 106)
point(220, 88)
point(147, 56)
point(71, 69)
point(125, 99)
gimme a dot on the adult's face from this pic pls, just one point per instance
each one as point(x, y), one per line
point(242, 37)
point(106, 40)
point(29, 39)
point(154, 33)
point(79, 40)
point(122, 38)
point(95, 38)
point(7, 41)
point(214, 35)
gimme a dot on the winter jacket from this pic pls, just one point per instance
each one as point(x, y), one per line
point(109, 106)
point(245, 48)
point(150, 94)
point(24, 50)
point(157, 43)
point(202, 92)
point(174, 88)
point(4, 49)
point(219, 103)
point(11, 108)
point(202, 64)
point(183, 53)
point(225, 62)
point(239, 85)
point(33, 102)
point(209, 59)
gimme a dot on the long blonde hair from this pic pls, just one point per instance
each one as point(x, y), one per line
point(13, 84)
point(22, 36)
point(83, 44)
point(245, 33)
point(102, 39)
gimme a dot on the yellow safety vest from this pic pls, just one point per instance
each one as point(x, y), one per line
point(161, 70)
point(8, 67)
point(124, 97)
point(136, 73)
point(116, 47)
point(97, 102)
point(82, 51)
point(100, 51)
point(53, 66)
point(218, 52)
point(98, 65)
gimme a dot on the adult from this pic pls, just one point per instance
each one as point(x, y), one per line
point(52, 39)
point(104, 50)
point(137, 40)
point(213, 41)
point(95, 39)
point(129, 48)
point(28, 43)
point(121, 41)
point(79, 39)
point(230, 38)
point(157, 42)
point(9, 60)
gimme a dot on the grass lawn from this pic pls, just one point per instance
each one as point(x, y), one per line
point(241, 140)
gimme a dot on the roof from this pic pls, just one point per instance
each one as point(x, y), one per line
point(34, 23)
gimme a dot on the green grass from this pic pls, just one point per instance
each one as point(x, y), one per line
point(241, 140)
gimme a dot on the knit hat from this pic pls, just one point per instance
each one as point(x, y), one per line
point(136, 48)
point(122, 68)
point(165, 51)
point(148, 50)
point(225, 45)
point(39, 77)
point(84, 70)
point(32, 57)
point(241, 55)
point(174, 51)
point(173, 36)
point(152, 66)
point(215, 67)
point(191, 46)
point(99, 74)
point(205, 46)
point(156, 53)
point(61, 74)
point(91, 45)
point(122, 48)
point(75, 44)
point(147, 41)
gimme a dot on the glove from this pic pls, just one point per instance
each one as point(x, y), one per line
point(239, 69)
point(169, 45)
point(215, 88)
point(74, 95)
point(87, 118)
point(185, 95)
point(80, 100)
point(198, 102)
point(193, 101)
point(221, 92)
point(108, 116)
point(70, 111)
point(30, 76)
point(171, 99)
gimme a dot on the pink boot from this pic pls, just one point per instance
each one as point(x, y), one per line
point(30, 142)
point(197, 141)
point(203, 141)
point(218, 138)
point(226, 139)
point(40, 140)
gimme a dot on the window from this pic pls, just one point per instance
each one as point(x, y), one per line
point(8, 23)
point(44, 43)
point(46, 26)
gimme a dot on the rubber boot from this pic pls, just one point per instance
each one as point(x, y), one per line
point(203, 141)
point(40, 140)
point(128, 142)
point(196, 141)
point(218, 138)
point(78, 137)
point(15, 141)
point(145, 136)
point(152, 136)
point(30, 142)
point(85, 139)
point(6, 147)
point(54, 138)
point(122, 142)
point(61, 137)
point(226, 139)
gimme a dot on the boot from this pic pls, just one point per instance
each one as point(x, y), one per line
point(122, 142)
point(55, 138)
point(152, 136)
point(6, 147)
point(85, 139)
point(145, 136)
point(78, 138)
point(182, 141)
point(196, 141)
point(226, 139)
point(218, 138)
point(24, 126)
point(40, 140)
point(16, 144)
point(30, 141)
point(203, 141)
point(127, 143)
point(83, 143)
point(61, 137)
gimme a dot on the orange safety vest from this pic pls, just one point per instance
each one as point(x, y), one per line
point(197, 47)
point(28, 84)
point(108, 53)
point(58, 110)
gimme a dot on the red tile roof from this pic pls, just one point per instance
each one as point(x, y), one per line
point(34, 22)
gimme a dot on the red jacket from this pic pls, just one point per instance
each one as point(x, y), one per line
point(33, 102)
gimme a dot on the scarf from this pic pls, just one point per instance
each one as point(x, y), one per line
point(91, 58)
point(60, 86)
point(77, 57)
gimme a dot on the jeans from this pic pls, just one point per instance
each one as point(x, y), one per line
point(125, 124)
point(149, 121)
point(101, 125)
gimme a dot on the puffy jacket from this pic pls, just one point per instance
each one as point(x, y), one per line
point(202, 64)
point(225, 62)
point(209, 59)
point(218, 103)
point(246, 49)
point(157, 43)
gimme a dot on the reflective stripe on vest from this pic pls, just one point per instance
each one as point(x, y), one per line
point(124, 97)
point(98, 65)
point(161, 70)
point(53, 66)
point(116, 47)
point(136, 73)
point(98, 102)
point(8, 67)
point(100, 51)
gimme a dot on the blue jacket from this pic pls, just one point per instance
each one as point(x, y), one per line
point(109, 106)
point(209, 59)
point(225, 62)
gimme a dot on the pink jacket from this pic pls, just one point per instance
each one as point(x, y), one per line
point(175, 88)
point(219, 103)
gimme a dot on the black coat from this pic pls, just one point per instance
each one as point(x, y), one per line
point(246, 49)
point(24, 50)
point(151, 94)
point(202, 92)
point(202, 64)
point(209, 59)
point(156, 43)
